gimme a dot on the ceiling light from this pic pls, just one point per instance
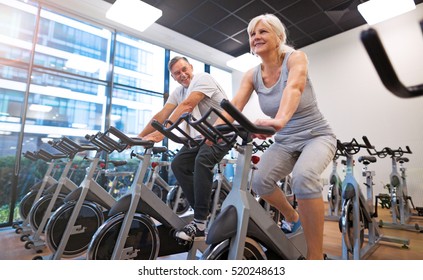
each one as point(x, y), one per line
point(133, 13)
point(375, 11)
point(244, 62)
point(40, 108)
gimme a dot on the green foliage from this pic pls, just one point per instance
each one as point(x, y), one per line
point(4, 213)
point(33, 171)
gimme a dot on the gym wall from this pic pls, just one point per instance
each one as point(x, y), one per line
point(355, 102)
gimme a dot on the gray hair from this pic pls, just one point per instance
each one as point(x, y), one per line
point(174, 60)
point(273, 22)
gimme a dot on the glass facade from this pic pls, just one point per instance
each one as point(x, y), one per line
point(62, 76)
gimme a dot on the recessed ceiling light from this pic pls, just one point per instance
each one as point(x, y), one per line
point(133, 13)
point(375, 11)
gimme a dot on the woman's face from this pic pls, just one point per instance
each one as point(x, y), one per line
point(263, 39)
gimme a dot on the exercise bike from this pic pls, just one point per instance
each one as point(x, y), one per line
point(140, 224)
point(36, 192)
point(334, 192)
point(43, 214)
point(72, 225)
point(171, 194)
point(357, 216)
point(52, 198)
point(243, 229)
point(401, 210)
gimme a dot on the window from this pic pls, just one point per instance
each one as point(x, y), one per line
point(74, 89)
point(224, 78)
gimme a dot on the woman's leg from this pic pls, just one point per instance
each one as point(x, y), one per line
point(307, 186)
point(275, 163)
point(312, 220)
point(278, 200)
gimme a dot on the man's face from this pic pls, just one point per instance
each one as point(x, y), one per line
point(181, 72)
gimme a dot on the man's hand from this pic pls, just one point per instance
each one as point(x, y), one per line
point(154, 136)
point(209, 143)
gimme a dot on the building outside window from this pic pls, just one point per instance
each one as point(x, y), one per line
point(70, 87)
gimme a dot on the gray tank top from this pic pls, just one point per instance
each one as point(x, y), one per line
point(307, 117)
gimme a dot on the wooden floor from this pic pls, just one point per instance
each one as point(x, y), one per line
point(11, 248)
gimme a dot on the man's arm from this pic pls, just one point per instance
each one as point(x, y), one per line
point(161, 116)
point(186, 106)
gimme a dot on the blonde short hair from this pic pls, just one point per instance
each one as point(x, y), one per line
point(273, 22)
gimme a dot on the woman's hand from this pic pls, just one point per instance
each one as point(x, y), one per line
point(269, 123)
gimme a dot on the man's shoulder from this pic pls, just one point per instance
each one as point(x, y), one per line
point(203, 79)
point(202, 75)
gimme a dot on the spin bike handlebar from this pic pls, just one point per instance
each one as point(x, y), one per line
point(353, 147)
point(30, 155)
point(69, 147)
point(384, 68)
point(206, 129)
point(221, 134)
point(135, 141)
point(244, 122)
point(397, 153)
point(106, 143)
point(42, 156)
point(261, 147)
point(130, 141)
point(43, 153)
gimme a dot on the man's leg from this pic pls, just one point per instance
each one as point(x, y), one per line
point(205, 162)
point(183, 168)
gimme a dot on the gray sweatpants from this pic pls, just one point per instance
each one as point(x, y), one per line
point(305, 155)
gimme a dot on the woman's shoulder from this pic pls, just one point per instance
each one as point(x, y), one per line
point(297, 56)
point(252, 74)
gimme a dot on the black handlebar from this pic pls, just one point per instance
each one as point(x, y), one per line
point(50, 156)
point(245, 123)
point(108, 144)
point(384, 68)
point(224, 134)
point(221, 135)
point(30, 155)
point(393, 153)
point(184, 139)
point(261, 147)
point(352, 147)
point(128, 140)
point(69, 147)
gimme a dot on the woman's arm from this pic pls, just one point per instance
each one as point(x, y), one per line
point(297, 78)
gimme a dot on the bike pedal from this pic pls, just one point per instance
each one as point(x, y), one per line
point(183, 242)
